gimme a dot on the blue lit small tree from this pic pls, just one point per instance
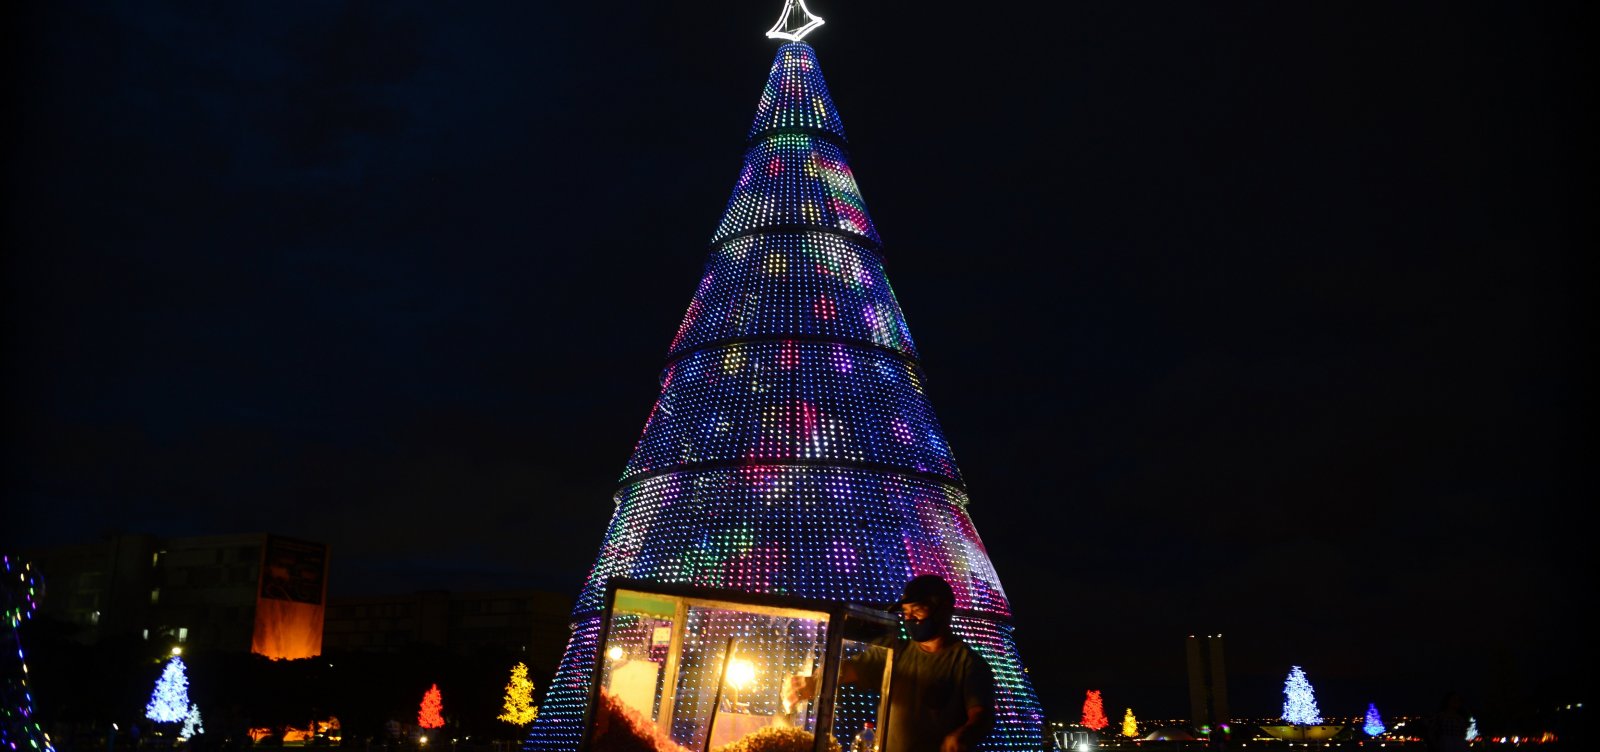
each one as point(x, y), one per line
point(169, 703)
point(1374, 723)
point(192, 725)
point(1299, 700)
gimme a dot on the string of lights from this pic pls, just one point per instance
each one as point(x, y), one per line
point(19, 598)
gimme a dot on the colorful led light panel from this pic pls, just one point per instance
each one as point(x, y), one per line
point(813, 401)
point(775, 646)
point(795, 179)
point(1019, 720)
point(834, 533)
point(796, 96)
point(559, 726)
point(795, 283)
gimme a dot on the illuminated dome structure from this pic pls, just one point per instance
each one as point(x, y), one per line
point(792, 449)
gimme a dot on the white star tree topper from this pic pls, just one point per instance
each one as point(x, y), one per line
point(795, 23)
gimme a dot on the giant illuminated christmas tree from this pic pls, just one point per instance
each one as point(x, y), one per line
point(792, 448)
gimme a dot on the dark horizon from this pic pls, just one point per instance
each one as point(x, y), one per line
point(1257, 320)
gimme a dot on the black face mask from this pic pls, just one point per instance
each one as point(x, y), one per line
point(922, 631)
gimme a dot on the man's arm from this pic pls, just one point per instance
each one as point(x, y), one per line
point(970, 733)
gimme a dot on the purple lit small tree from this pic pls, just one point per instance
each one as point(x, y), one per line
point(1374, 723)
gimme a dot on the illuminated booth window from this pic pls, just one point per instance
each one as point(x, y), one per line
point(684, 668)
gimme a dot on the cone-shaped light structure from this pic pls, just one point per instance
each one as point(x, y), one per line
point(793, 449)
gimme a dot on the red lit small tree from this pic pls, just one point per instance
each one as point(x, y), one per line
point(1094, 711)
point(431, 715)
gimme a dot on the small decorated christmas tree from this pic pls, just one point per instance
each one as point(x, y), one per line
point(169, 703)
point(192, 725)
point(431, 715)
point(519, 707)
point(1094, 711)
point(1299, 700)
point(1130, 725)
point(1472, 728)
point(1374, 723)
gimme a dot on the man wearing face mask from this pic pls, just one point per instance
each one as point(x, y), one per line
point(941, 698)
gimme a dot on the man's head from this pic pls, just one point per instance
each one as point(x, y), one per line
point(925, 607)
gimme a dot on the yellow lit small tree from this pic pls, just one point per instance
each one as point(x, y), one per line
point(520, 710)
point(1130, 725)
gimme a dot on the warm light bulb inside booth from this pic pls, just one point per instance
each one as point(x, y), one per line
point(741, 673)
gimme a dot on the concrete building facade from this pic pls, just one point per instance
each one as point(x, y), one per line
point(215, 592)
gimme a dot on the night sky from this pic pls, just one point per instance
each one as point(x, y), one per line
point(1252, 318)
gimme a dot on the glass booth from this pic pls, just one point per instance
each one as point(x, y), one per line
point(689, 669)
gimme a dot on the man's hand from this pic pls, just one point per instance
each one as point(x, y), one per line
point(799, 688)
point(962, 739)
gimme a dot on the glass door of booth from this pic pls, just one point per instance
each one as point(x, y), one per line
point(686, 669)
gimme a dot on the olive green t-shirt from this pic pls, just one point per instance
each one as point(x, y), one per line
point(929, 694)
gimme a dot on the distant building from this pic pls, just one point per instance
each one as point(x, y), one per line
point(248, 592)
point(1208, 686)
point(512, 621)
